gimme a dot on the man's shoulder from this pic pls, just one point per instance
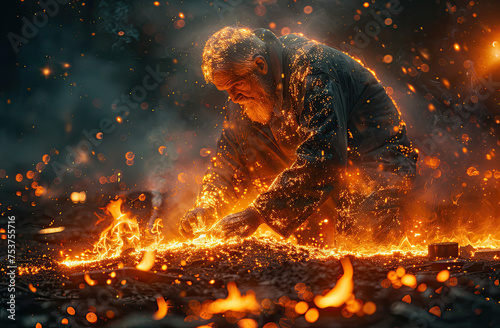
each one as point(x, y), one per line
point(301, 51)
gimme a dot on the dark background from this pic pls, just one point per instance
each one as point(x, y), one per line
point(66, 77)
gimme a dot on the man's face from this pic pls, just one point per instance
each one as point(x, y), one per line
point(249, 88)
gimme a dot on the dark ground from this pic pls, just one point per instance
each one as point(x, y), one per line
point(470, 298)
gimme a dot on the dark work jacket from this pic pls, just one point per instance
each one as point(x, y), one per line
point(333, 123)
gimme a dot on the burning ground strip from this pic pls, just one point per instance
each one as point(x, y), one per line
point(255, 282)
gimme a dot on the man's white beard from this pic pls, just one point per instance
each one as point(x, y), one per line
point(259, 112)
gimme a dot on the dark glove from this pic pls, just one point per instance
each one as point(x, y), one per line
point(197, 219)
point(241, 224)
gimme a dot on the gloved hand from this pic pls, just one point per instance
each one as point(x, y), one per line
point(241, 224)
point(195, 220)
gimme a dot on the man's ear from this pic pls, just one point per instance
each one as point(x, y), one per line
point(259, 63)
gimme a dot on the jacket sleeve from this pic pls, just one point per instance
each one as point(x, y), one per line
point(227, 177)
point(320, 159)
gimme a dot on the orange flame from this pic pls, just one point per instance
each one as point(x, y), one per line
point(342, 290)
point(147, 262)
point(121, 234)
point(162, 308)
point(235, 302)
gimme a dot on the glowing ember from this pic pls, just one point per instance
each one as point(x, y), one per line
point(312, 315)
point(89, 280)
point(443, 276)
point(409, 280)
point(46, 72)
point(47, 231)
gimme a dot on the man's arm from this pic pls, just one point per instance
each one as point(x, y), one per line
point(227, 177)
point(320, 160)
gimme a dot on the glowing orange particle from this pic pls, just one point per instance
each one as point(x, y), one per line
point(301, 307)
point(443, 276)
point(64, 321)
point(38, 325)
point(366, 5)
point(39, 191)
point(391, 275)
point(19, 177)
point(70, 310)
point(409, 280)
point(285, 31)
point(407, 299)
point(312, 315)
point(247, 323)
point(179, 24)
point(46, 71)
point(436, 311)
point(308, 9)
point(260, 10)
point(387, 59)
point(91, 317)
point(456, 46)
point(272, 25)
point(369, 308)
point(270, 325)
point(156, 3)
point(129, 155)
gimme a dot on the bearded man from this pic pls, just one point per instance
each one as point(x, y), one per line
point(311, 144)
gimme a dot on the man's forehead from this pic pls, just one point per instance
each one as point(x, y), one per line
point(227, 74)
point(221, 76)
